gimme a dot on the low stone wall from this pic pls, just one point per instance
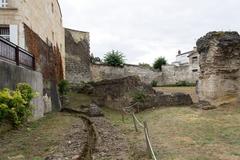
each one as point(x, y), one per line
point(170, 74)
point(11, 75)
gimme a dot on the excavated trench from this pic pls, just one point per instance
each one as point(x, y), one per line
point(90, 145)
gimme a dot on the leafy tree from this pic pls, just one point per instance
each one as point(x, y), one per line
point(114, 58)
point(95, 60)
point(159, 62)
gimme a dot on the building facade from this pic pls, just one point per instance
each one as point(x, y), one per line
point(44, 18)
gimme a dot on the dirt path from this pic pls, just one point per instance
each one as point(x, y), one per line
point(104, 141)
point(111, 143)
point(56, 136)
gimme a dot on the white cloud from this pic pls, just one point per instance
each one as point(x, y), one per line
point(146, 29)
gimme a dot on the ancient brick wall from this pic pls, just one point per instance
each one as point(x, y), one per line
point(77, 56)
point(48, 62)
point(220, 67)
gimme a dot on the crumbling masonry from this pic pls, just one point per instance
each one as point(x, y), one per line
point(219, 67)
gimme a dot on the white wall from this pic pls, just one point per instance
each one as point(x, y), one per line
point(14, 34)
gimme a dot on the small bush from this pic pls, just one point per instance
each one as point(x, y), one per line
point(184, 84)
point(154, 83)
point(63, 87)
point(114, 58)
point(15, 105)
point(159, 62)
point(139, 96)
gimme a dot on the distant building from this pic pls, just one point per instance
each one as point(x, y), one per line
point(190, 58)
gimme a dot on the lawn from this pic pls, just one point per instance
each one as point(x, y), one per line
point(37, 139)
point(185, 133)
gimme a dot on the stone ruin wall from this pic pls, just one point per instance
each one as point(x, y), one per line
point(220, 67)
point(48, 62)
point(170, 74)
point(77, 56)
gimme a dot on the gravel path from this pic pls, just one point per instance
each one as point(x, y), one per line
point(73, 144)
point(111, 144)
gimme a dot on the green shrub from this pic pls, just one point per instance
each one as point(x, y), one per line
point(154, 83)
point(139, 96)
point(15, 105)
point(63, 87)
point(159, 62)
point(114, 58)
point(184, 84)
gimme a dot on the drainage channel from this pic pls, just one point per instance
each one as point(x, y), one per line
point(89, 147)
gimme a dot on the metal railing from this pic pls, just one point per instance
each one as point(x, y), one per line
point(10, 52)
point(144, 126)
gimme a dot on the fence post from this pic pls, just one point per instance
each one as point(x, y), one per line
point(134, 122)
point(17, 55)
point(33, 63)
point(147, 142)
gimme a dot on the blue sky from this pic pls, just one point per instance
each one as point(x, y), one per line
point(146, 29)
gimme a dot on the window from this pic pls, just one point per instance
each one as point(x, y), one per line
point(3, 3)
point(5, 32)
point(194, 59)
point(195, 70)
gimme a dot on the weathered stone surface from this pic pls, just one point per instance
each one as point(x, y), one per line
point(220, 67)
point(77, 56)
point(165, 100)
point(119, 93)
point(95, 111)
point(10, 75)
point(170, 74)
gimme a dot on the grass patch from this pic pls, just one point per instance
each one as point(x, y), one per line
point(186, 133)
point(37, 139)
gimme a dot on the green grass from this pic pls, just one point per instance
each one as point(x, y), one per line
point(36, 139)
point(186, 133)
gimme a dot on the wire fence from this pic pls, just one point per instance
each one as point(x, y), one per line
point(144, 126)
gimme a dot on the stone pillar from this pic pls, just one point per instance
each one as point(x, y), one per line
point(219, 67)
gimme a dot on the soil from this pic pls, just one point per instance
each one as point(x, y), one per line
point(111, 143)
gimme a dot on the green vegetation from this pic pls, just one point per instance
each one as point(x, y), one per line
point(114, 58)
point(38, 139)
point(154, 83)
point(15, 105)
point(184, 133)
point(63, 87)
point(95, 60)
point(139, 96)
point(159, 62)
point(181, 84)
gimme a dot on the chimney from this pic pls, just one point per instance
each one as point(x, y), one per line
point(179, 52)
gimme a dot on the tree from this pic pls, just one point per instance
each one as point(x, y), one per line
point(159, 62)
point(114, 58)
point(95, 60)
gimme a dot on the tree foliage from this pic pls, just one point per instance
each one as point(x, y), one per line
point(63, 87)
point(159, 62)
point(114, 58)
